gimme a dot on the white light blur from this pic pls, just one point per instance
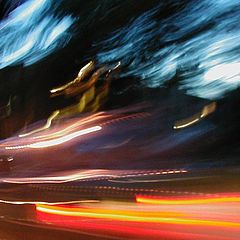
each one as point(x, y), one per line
point(56, 141)
point(90, 175)
point(64, 139)
point(227, 73)
point(48, 203)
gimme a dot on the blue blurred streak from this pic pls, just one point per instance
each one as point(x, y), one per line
point(199, 44)
point(31, 32)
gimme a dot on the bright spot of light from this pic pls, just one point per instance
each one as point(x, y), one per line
point(226, 72)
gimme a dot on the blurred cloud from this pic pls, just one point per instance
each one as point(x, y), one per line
point(31, 32)
point(199, 43)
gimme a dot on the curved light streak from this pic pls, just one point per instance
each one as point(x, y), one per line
point(189, 123)
point(64, 139)
point(73, 126)
point(206, 110)
point(58, 141)
point(82, 73)
point(46, 126)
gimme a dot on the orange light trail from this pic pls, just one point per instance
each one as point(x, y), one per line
point(133, 216)
point(207, 200)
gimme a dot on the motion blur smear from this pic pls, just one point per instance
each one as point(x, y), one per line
point(119, 119)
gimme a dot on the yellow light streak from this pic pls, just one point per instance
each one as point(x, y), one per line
point(46, 126)
point(206, 110)
point(210, 108)
point(133, 216)
point(86, 98)
point(82, 73)
point(185, 123)
point(102, 212)
point(102, 93)
point(79, 88)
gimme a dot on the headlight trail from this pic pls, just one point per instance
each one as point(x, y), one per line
point(64, 139)
point(217, 217)
point(93, 175)
point(57, 141)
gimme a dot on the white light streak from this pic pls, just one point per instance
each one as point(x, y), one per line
point(56, 141)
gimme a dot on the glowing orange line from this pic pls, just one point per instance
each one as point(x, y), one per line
point(75, 211)
point(155, 200)
point(131, 216)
